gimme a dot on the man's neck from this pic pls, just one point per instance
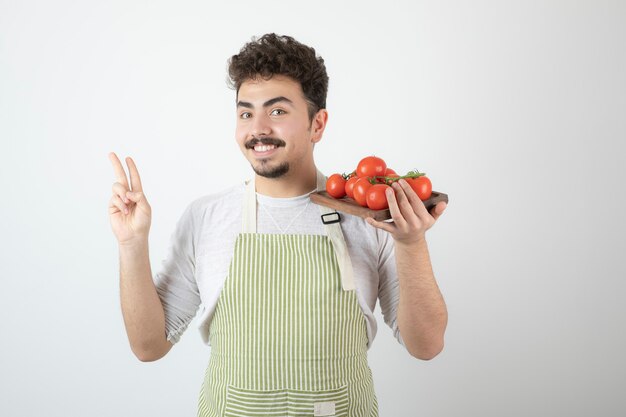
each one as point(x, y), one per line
point(288, 185)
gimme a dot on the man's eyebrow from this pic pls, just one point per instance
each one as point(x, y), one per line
point(267, 103)
point(276, 100)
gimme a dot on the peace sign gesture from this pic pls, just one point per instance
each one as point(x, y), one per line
point(129, 211)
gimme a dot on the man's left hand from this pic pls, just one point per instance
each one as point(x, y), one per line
point(411, 220)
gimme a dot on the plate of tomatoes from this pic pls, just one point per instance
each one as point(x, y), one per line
point(363, 191)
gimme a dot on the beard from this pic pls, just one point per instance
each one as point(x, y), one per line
point(266, 170)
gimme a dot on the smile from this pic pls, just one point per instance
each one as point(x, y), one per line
point(263, 148)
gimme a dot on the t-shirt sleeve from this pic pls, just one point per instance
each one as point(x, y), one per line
point(175, 280)
point(388, 287)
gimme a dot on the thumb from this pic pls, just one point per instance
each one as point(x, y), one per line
point(135, 196)
point(438, 210)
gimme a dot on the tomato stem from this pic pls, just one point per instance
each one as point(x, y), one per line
point(389, 180)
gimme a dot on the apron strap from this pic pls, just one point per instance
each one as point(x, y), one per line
point(332, 230)
point(249, 208)
point(335, 234)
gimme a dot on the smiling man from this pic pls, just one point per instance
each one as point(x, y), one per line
point(288, 300)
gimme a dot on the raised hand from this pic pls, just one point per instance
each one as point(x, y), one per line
point(411, 220)
point(129, 211)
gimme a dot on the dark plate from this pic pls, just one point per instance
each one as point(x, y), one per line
point(348, 205)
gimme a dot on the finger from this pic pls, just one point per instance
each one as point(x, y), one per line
point(394, 210)
point(403, 202)
point(120, 190)
point(118, 169)
point(135, 196)
point(116, 204)
point(135, 179)
point(437, 211)
point(388, 227)
point(417, 205)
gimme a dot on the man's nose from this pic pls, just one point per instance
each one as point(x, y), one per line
point(261, 126)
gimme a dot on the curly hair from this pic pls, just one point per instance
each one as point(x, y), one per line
point(272, 55)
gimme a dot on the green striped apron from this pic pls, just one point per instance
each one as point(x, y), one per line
point(286, 338)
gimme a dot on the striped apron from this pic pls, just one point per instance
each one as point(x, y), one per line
point(287, 338)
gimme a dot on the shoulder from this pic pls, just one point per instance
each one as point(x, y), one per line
point(226, 200)
point(358, 227)
point(214, 217)
point(364, 236)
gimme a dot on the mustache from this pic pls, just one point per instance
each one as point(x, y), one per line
point(264, 141)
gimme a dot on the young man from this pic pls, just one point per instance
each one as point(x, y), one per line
point(288, 300)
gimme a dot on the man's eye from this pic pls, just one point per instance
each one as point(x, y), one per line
point(277, 112)
point(245, 115)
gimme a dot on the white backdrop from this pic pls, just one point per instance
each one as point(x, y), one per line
point(515, 109)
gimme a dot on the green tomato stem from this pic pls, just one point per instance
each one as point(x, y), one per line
point(389, 180)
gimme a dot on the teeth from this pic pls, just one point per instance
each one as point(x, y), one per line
point(263, 148)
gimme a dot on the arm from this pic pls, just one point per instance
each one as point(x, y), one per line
point(130, 216)
point(141, 307)
point(422, 315)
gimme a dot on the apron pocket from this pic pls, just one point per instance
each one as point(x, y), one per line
point(242, 402)
point(325, 403)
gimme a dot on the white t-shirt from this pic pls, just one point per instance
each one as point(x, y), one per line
point(202, 244)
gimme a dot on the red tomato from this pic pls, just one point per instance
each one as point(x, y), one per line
point(349, 187)
point(390, 172)
point(422, 187)
point(376, 197)
point(360, 187)
point(371, 166)
point(390, 181)
point(336, 186)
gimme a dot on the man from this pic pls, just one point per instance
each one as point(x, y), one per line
point(288, 299)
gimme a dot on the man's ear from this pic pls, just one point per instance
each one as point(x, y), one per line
point(318, 124)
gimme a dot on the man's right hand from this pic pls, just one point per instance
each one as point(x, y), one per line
point(129, 211)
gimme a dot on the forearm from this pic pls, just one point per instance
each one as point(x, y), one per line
point(141, 306)
point(422, 314)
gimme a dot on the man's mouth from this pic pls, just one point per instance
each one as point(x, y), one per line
point(265, 145)
point(263, 148)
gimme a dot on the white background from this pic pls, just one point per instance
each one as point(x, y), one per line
point(515, 109)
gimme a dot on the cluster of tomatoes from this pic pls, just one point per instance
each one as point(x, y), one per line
point(369, 183)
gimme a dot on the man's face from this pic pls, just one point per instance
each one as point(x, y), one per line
point(273, 128)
